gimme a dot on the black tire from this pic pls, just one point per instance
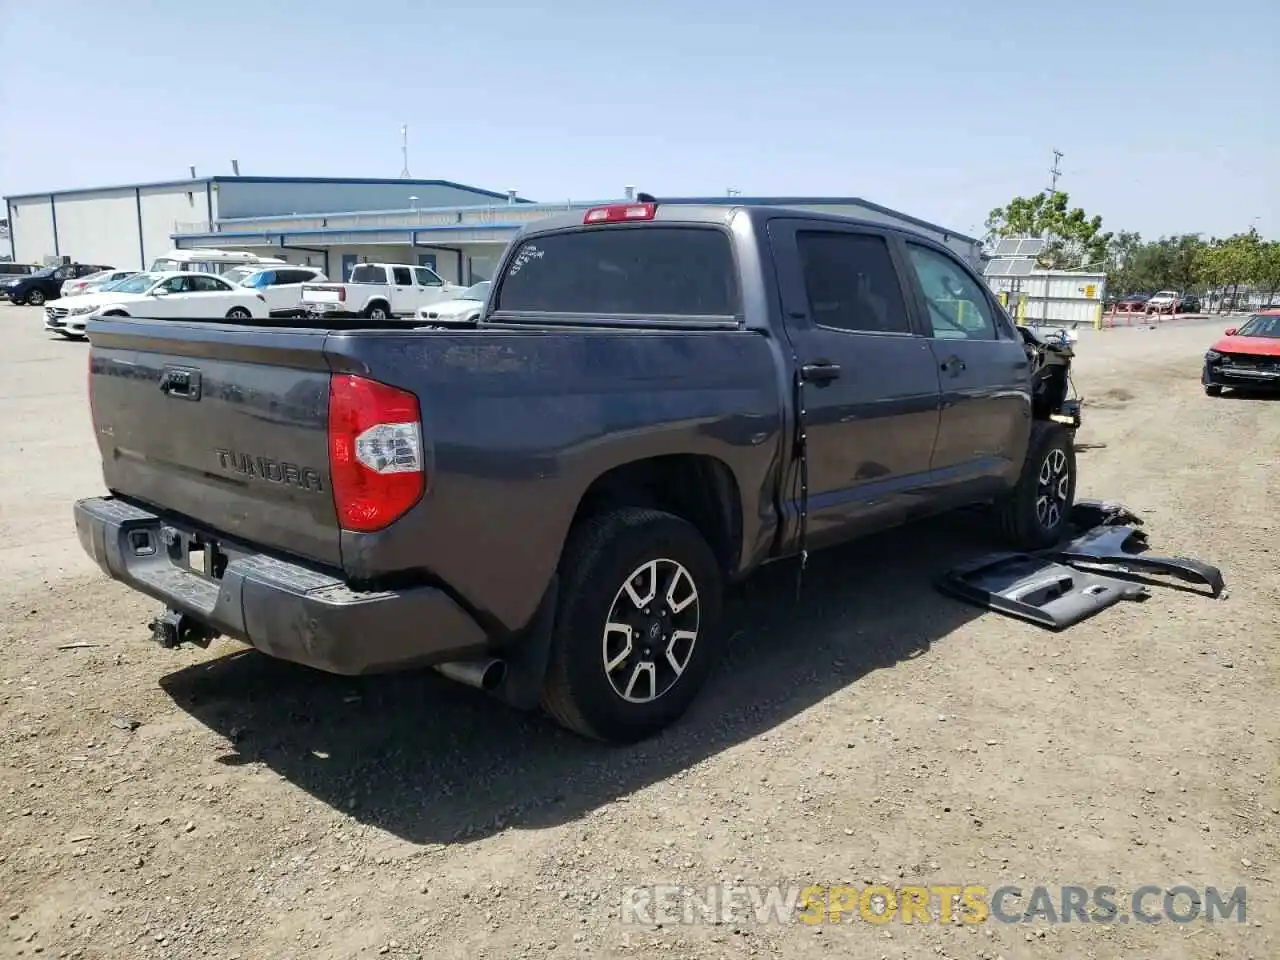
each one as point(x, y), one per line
point(1027, 521)
point(377, 311)
point(604, 555)
point(1213, 389)
point(35, 298)
point(239, 313)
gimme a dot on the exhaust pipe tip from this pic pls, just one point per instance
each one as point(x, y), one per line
point(486, 674)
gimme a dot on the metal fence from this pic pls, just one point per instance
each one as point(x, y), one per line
point(1059, 297)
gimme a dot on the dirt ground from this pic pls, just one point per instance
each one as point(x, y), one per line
point(218, 804)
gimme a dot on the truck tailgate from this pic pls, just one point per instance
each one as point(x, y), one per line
point(323, 293)
point(225, 425)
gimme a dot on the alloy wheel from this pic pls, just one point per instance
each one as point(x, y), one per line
point(1052, 489)
point(651, 631)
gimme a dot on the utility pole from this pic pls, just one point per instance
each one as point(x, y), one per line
point(404, 151)
point(1055, 172)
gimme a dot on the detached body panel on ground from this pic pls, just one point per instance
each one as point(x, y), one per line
point(657, 399)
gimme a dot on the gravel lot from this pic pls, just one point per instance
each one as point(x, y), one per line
point(218, 804)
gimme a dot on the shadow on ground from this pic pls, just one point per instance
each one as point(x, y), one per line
point(434, 762)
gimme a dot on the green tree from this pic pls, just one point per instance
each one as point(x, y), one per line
point(1268, 278)
point(1075, 239)
point(1238, 260)
point(1119, 262)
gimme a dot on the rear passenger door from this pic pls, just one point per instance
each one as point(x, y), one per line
point(285, 291)
point(871, 391)
point(207, 296)
point(984, 372)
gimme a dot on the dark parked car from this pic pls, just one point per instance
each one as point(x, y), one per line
point(45, 284)
point(1189, 303)
point(547, 502)
point(1133, 302)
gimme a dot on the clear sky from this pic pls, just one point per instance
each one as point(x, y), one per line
point(1167, 111)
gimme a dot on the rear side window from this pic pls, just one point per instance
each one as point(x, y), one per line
point(851, 282)
point(627, 271)
point(206, 284)
point(402, 276)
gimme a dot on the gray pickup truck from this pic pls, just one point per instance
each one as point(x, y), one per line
point(547, 503)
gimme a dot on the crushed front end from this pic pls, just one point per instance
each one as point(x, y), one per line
point(1051, 353)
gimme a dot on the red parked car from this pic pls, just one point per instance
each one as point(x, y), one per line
point(1247, 357)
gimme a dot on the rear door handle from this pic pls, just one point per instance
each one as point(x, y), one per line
point(821, 373)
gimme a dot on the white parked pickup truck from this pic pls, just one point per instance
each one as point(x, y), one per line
point(378, 291)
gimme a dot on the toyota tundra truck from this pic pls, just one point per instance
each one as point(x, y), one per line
point(547, 502)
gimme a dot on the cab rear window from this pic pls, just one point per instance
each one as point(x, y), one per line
point(654, 271)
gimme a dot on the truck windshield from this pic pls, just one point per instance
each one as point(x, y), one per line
point(663, 271)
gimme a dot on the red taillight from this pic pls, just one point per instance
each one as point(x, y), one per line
point(376, 460)
point(342, 294)
point(621, 212)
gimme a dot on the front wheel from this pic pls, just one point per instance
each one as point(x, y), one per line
point(377, 312)
point(1035, 514)
point(239, 313)
point(36, 298)
point(1213, 389)
point(638, 625)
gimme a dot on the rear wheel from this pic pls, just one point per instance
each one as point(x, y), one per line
point(239, 313)
point(1213, 389)
point(36, 298)
point(638, 625)
point(377, 311)
point(1035, 513)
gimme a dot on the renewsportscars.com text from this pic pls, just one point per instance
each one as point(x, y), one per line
point(674, 904)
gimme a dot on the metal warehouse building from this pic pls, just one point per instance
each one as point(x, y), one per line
point(456, 229)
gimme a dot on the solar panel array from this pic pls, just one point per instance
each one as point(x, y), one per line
point(1020, 247)
point(1009, 268)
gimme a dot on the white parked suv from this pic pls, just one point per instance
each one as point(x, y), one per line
point(281, 287)
point(170, 295)
point(378, 291)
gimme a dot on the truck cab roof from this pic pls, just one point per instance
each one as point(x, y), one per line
point(708, 213)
